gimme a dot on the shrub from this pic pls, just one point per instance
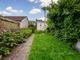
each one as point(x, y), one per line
point(8, 40)
point(64, 20)
point(5, 51)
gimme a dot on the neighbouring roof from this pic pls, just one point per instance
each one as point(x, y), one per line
point(40, 21)
point(16, 18)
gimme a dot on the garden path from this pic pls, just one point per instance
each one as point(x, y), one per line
point(22, 51)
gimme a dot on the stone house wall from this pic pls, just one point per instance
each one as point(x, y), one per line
point(6, 24)
point(24, 23)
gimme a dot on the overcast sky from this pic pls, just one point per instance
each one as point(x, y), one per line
point(30, 8)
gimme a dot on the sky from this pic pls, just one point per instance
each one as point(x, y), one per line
point(30, 8)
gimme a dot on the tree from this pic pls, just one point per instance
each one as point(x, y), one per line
point(45, 12)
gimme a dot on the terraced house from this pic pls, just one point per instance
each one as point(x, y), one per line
point(12, 23)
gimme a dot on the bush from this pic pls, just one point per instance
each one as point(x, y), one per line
point(8, 40)
point(5, 51)
point(64, 20)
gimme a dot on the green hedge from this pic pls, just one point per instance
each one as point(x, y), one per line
point(8, 40)
point(64, 20)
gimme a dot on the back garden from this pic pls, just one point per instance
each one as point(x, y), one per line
point(59, 39)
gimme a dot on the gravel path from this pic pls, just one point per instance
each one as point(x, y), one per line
point(22, 51)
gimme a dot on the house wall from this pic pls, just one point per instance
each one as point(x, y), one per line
point(41, 26)
point(8, 25)
point(24, 23)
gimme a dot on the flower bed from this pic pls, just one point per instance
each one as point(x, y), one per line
point(8, 40)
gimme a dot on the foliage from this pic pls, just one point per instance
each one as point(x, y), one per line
point(39, 32)
point(8, 40)
point(5, 51)
point(47, 47)
point(64, 20)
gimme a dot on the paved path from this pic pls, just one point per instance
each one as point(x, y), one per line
point(21, 52)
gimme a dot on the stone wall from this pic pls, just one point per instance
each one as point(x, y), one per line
point(8, 25)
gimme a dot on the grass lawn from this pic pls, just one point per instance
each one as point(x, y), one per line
point(46, 47)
